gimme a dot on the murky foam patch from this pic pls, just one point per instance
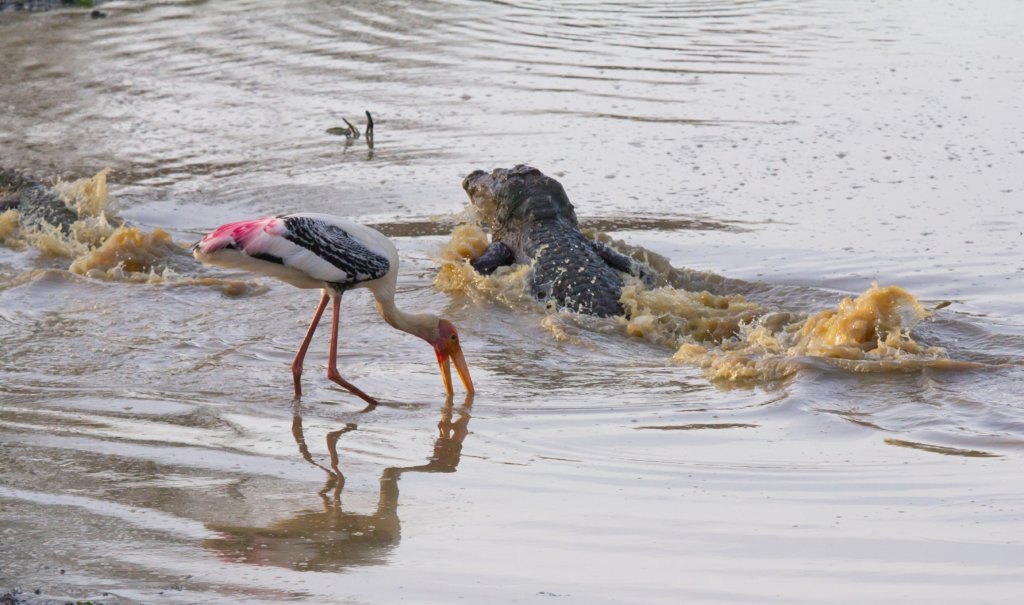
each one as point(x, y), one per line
point(100, 246)
point(734, 340)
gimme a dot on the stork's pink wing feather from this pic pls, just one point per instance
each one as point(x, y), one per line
point(251, 237)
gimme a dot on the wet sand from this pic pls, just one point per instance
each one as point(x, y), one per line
point(791, 154)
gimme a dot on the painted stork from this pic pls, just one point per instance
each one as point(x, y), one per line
point(310, 250)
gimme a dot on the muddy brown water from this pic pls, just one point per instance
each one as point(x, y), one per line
point(150, 450)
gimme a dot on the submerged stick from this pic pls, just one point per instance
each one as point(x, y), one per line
point(353, 129)
point(369, 129)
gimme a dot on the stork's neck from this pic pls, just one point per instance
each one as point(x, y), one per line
point(423, 325)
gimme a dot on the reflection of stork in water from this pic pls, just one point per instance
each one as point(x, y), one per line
point(330, 539)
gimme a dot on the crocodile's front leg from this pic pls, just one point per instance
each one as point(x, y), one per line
point(497, 255)
point(620, 262)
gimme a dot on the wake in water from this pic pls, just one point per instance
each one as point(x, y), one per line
point(734, 340)
point(100, 246)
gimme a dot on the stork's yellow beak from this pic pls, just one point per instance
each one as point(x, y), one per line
point(444, 360)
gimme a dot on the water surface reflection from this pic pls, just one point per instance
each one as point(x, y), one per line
point(331, 538)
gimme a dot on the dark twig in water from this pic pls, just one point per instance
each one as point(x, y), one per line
point(351, 133)
point(339, 131)
point(369, 129)
point(353, 129)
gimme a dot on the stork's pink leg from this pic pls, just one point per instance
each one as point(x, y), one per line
point(301, 355)
point(332, 360)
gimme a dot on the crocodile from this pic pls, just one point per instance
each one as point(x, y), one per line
point(532, 222)
point(36, 202)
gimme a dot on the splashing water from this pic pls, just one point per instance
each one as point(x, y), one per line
point(506, 284)
point(734, 340)
point(101, 247)
point(9, 227)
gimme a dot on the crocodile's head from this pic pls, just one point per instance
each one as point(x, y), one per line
point(511, 198)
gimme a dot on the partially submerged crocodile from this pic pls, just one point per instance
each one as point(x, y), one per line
point(35, 202)
point(532, 222)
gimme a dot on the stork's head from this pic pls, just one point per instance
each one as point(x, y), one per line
point(448, 348)
point(521, 194)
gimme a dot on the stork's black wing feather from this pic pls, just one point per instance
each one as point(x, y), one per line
point(334, 245)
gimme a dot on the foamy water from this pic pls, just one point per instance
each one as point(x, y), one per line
point(771, 160)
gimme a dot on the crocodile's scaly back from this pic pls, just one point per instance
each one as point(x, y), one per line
point(36, 203)
point(531, 214)
point(567, 268)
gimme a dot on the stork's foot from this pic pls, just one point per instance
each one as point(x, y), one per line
point(334, 376)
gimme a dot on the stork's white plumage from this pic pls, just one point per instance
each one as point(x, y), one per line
point(311, 250)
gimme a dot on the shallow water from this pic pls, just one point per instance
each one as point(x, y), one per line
point(797, 151)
